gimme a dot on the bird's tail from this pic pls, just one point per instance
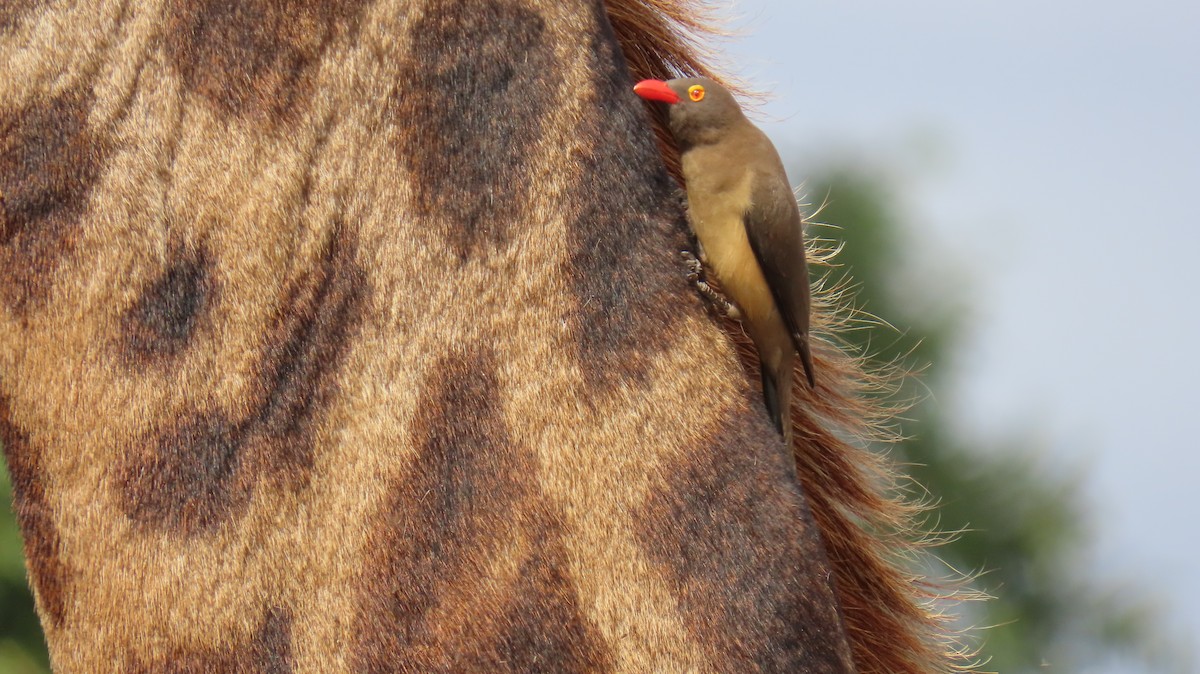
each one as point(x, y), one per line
point(806, 359)
point(777, 396)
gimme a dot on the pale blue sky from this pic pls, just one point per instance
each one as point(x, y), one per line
point(1051, 153)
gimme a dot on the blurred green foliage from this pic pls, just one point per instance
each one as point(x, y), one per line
point(1021, 524)
point(22, 649)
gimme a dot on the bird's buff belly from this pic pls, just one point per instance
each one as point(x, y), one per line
point(730, 257)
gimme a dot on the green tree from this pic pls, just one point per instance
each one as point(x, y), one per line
point(1022, 526)
point(22, 648)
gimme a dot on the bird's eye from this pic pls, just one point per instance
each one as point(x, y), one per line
point(696, 92)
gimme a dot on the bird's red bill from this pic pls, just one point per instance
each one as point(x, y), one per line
point(655, 90)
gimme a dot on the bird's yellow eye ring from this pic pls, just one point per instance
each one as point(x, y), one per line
point(696, 93)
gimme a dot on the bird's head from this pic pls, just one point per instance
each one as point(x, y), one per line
point(699, 110)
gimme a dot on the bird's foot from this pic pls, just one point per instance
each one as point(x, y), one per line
point(696, 276)
point(681, 197)
point(694, 266)
point(723, 305)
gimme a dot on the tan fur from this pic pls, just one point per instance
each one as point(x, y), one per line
point(288, 384)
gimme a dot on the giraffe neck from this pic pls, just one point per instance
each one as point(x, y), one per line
point(342, 337)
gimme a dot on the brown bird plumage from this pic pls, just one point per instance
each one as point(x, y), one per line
point(748, 223)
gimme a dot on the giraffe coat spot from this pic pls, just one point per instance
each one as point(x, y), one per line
point(48, 575)
point(49, 162)
point(202, 471)
point(470, 107)
point(255, 58)
point(626, 230)
point(730, 528)
point(187, 483)
point(469, 487)
point(161, 323)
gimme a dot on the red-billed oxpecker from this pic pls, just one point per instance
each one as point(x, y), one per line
point(746, 219)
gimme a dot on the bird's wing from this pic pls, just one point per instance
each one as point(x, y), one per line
point(776, 234)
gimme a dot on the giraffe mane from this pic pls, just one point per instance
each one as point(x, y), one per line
point(873, 527)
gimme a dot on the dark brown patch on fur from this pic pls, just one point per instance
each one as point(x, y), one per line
point(544, 629)
point(268, 651)
point(306, 346)
point(49, 162)
point(469, 489)
point(255, 58)
point(627, 229)
point(730, 527)
point(199, 472)
point(162, 321)
point(470, 106)
point(188, 481)
point(12, 11)
point(49, 576)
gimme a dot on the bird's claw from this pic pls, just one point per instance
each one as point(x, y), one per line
point(723, 305)
point(694, 266)
point(696, 276)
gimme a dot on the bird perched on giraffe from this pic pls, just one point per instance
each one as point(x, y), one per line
point(748, 224)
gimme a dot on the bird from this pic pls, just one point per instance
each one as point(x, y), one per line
point(748, 225)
